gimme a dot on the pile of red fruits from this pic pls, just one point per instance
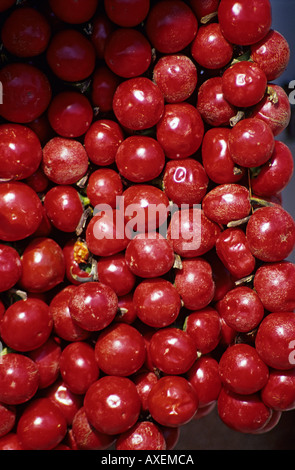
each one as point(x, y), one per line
point(116, 339)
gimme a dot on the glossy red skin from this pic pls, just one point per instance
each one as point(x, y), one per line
point(172, 351)
point(10, 442)
point(241, 369)
point(275, 174)
point(191, 233)
point(26, 324)
point(22, 106)
point(21, 152)
point(226, 203)
point(68, 402)
point(165, 30)
point(7, 418)
point(243, 413)
point(247, 24)
point(78, 367)
point(102, 141)
point(270, 233)
point(37, 181)
point(185, 181)
point(138, 103)
point(19, 379)
point(244, 84)
point(243, 142)
point(274, 338)
point(26, 33)
point(10, 267)
point(127, 14)
point(120, 350)
point(216, 158)
point(127, 52)
point(204, 327)
point(276, 115)
point(156, 302)
point(144, 435)
point(63, 207)
point(242, 309)
point(86, 437)
point(210, 49)
point(47, 359)
point(63, 324)
point(205, 379)
point(71, 55)
point(172, 401)
point(140, 159)
point(195, 284)
point(203, 8)
point(176, 75)
point(107, 234)
point(144, 382)
point(103, 187)
point(20, 211)
point(74, 272)
point(60, 154)
point(113, 271)
point(126, 311)
point(43, 265)
point(93, 306)
point(275, 285)
point(232, 248)
point(102, 27)
point(151, 207)
point(211, 104)
point(179, 119)
point(70, 114)
point(41, 426)
point(272, 54)
point(104, 85)
point(99, 403)
point(279, 391)
point(149, 257)
point(73, 11)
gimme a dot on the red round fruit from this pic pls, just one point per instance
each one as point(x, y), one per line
point(144, 381)
point(102, 141)
point(279, 391)
point(272, 54)
point(10, 267)
point(7, 419)
point(205, 379)
point(104, 85)
point(47, 359)
point(63, 207)
point(74, 11)
point(144, 435)
point(112, 404)
point(86, 436)
point(210, 49)
point(127, 13)
point(204, 327)
point(104, 185)
point(68, 402)
point(114, 272)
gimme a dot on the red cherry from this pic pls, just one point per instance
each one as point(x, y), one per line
point(172, 401)
point(271, 234)
point(179, 119)
point(279, 391)
point(7, 419)
point(68, 402)
point(274, 339)
point(10, 267)
point(246, 24)
point(140, 159)
point(73, 11)
point(93, 306)
point(120, 350)
point(156, 302)
point(41, 426)
point(26, 32)
point(70, 114)
point(101, 28)
point(19, 378)
point(176, 75)
point(205, 379)
point(165, 30)
point(144, 381)
point(204, 327)
point(127, 14)
point(86, 436)
point(78, 367)
point(63, 207)
point(143, 435)
point(104, 85)
point(61, 153)
point(27, 92)
point(127, 313)
point(210, 49)
point(112, 404)
point(47, 359)
point(71, 55)
point(275, 285)
point(212, 105)
point(113, 271)
point(43, 265)
point(102, 141)
point(243, 142)
point(104, 186)
point(243, 413)
point(127, 52)
point(21, 209)
point(138, 103)
point(203, 8)
point(272, 54)
point(194, 283)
